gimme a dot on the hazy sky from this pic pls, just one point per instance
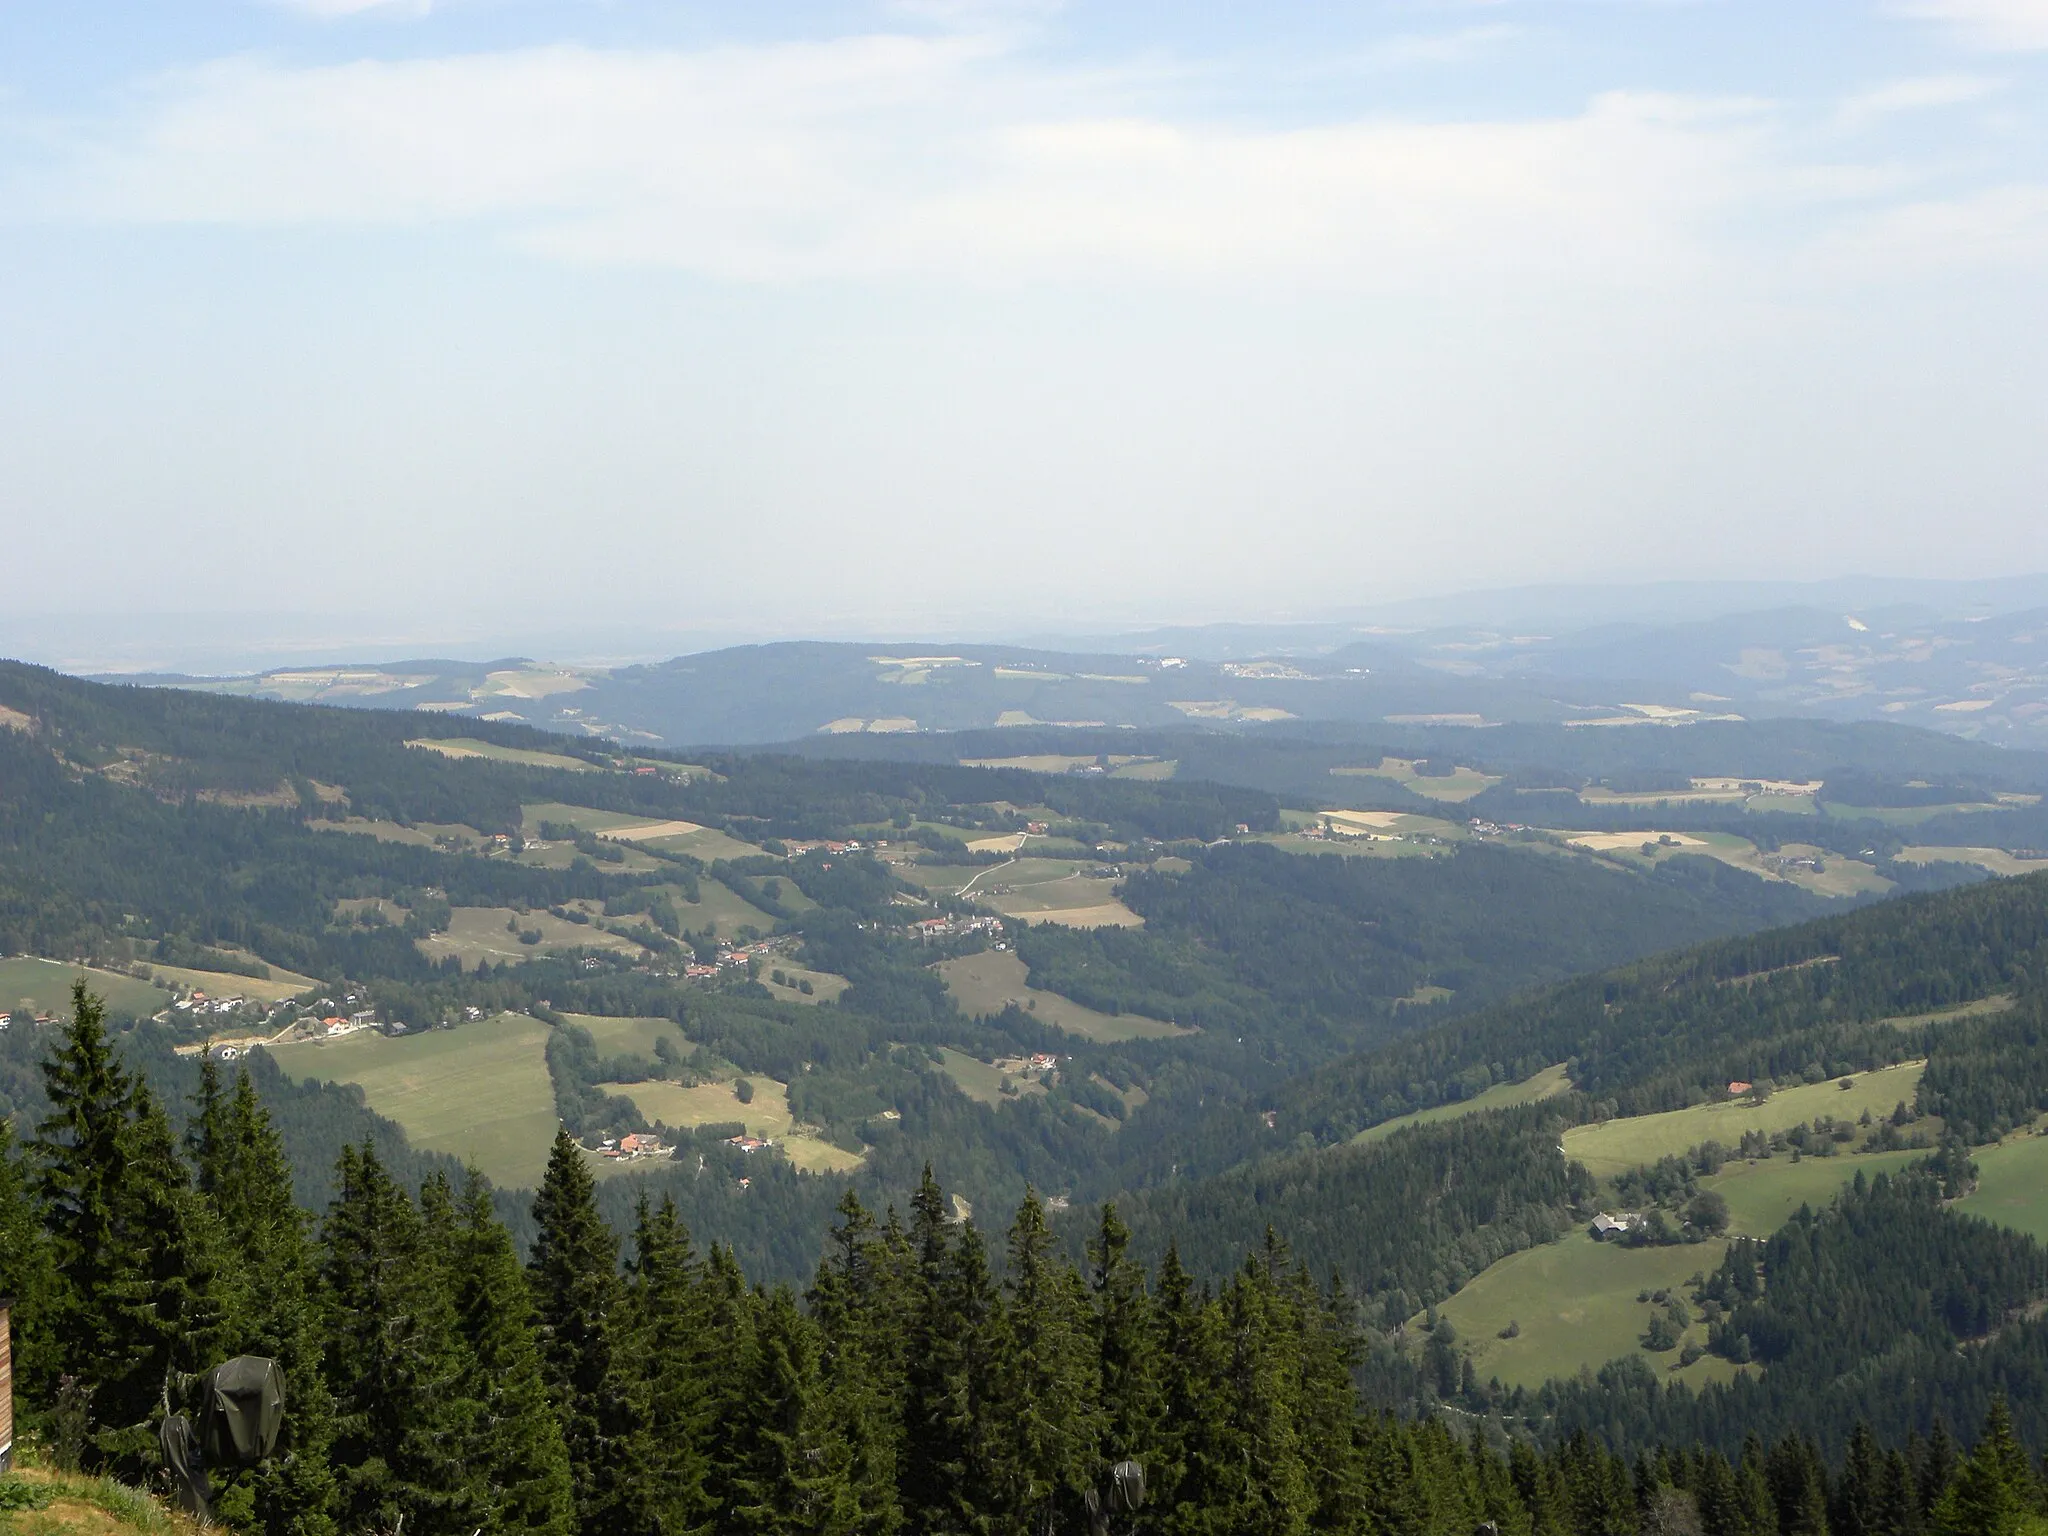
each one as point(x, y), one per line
point(795, 317)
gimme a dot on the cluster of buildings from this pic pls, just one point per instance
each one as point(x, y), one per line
point(634, 1145)
point(27, 1018)
point(1483, 828)
point(748, 1144)
point(198, 1005)
point(954, 926)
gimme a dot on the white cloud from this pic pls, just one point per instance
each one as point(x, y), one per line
point(917, 155)
point(2000, 25)
point(1916, 94)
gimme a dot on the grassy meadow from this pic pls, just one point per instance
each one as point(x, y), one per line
point(45, 985)
point(983, 1081)
point(1617, 1145)
point(2012, 1185)
point(990, 981)
point(465, 746)
point(768, 1117)
point(479, 1092)
point(1574, 1303)
point(1545, 1084)
point(479, 933)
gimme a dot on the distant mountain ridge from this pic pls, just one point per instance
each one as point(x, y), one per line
point(1982, 676)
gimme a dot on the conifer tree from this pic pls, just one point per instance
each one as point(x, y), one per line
point(25, 1272)
point(573, 1272)
point(244, 1178)
point(791, 1477)
point(137, 1293)
point(392, 1361)
point(1126, 1343)
point(669, 1361)
point(513, 1451)
point(1995, 1492)
point(858, 1304)
point(1047, 1426)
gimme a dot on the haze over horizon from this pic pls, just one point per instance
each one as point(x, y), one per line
point(403, 319)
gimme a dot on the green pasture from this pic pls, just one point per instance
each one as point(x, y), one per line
point(479, 933)
point(479, 1092)
point(1762, 1195)
point(421, 834)
point(825, 985)
point(2012, 1185)
point(981, 1081)
point(717, 1103)
point(706, 843)
point(630, 1037)
point(1459, 785)
point(1545, 1084)
point(467, 746)
point(1997, 1003)
point(990, 981)
point(1902, 815)
point(580, 816)
point(278, 987)
point(1574, 1304)
point(1996, 860)
point(721, 908)
point(1617, 1145)
point(45, 985)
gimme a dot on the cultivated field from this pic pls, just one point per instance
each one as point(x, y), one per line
point(1550, 1081)
point(1618, 842)
point(45, 985)
point(479, 933)
point(420, 834)
point(463, 746)
point(479, 1092)
point(988, 982)
point(2012, 1185)
point(1623, 1144)
point(1459, 785)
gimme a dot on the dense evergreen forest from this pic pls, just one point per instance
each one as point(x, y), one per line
point(921, 1382)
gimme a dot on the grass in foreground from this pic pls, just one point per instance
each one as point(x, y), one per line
point(479, 1092)
point(71, 1504)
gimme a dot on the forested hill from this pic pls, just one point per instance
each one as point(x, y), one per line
point(1674, 1030)
point(440, 876)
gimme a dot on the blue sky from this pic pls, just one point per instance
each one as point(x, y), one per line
point(814, 318)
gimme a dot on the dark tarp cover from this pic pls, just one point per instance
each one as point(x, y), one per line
point(242, 1411)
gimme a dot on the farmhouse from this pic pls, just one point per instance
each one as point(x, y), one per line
point(1738, 1088)
point(1607, 1225)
